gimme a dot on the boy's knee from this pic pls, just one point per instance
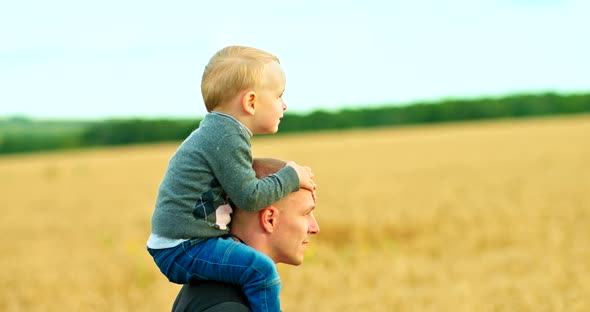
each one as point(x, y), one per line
point(268, 268)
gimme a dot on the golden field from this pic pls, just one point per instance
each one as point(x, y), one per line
point(489, 216)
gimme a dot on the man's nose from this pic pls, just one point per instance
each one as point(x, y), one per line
point(284, 106)
point(314, 227)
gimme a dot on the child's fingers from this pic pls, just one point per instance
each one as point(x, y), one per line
point(310, 185)
point(309, 172)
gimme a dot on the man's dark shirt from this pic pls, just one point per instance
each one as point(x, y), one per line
point(210, 296)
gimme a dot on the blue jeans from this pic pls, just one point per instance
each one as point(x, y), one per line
point(225, 260)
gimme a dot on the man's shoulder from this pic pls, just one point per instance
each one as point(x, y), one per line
point(210, 296)
point(228, 307)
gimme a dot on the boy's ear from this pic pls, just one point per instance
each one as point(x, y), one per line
point(249, 102)
point(268, 218)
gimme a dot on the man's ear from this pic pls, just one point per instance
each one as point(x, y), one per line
point(249, 102)
point(268, 218)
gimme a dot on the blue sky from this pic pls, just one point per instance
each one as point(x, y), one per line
point(98, 59)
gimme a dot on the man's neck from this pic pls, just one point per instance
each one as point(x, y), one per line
point(251, 238)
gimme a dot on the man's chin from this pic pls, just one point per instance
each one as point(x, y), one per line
point(294, 262)
point(299, 261)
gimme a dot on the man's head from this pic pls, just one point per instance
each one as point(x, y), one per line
point(282, 230)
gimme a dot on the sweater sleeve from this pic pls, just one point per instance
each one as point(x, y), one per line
point(232, 166)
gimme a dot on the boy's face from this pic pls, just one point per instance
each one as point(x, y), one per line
point(269, 105)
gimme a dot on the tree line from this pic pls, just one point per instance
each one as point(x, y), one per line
point(141, 131)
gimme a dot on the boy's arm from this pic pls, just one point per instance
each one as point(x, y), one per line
point(232, 166)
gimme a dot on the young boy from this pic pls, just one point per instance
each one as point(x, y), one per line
point(242, 89)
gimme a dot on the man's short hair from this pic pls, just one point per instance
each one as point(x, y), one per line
point(267, 166)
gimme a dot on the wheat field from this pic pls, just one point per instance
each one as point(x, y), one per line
point(488, 216)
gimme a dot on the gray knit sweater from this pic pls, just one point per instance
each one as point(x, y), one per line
point(214, 162)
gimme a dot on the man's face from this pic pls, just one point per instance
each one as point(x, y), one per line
point(295, 224)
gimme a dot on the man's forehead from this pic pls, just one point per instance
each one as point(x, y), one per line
point(302, 198)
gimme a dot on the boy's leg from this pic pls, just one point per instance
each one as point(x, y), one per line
point(255, 272)
point(225, 260)
point(166, 260)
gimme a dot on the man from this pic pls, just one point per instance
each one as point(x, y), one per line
point(281, 231)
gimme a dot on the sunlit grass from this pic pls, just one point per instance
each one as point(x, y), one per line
point(460, 217)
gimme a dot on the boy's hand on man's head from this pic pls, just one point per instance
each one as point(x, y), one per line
point(305, 176)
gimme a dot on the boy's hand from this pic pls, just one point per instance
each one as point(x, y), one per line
point(305, 176)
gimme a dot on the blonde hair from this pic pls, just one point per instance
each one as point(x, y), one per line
point(232, 70)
